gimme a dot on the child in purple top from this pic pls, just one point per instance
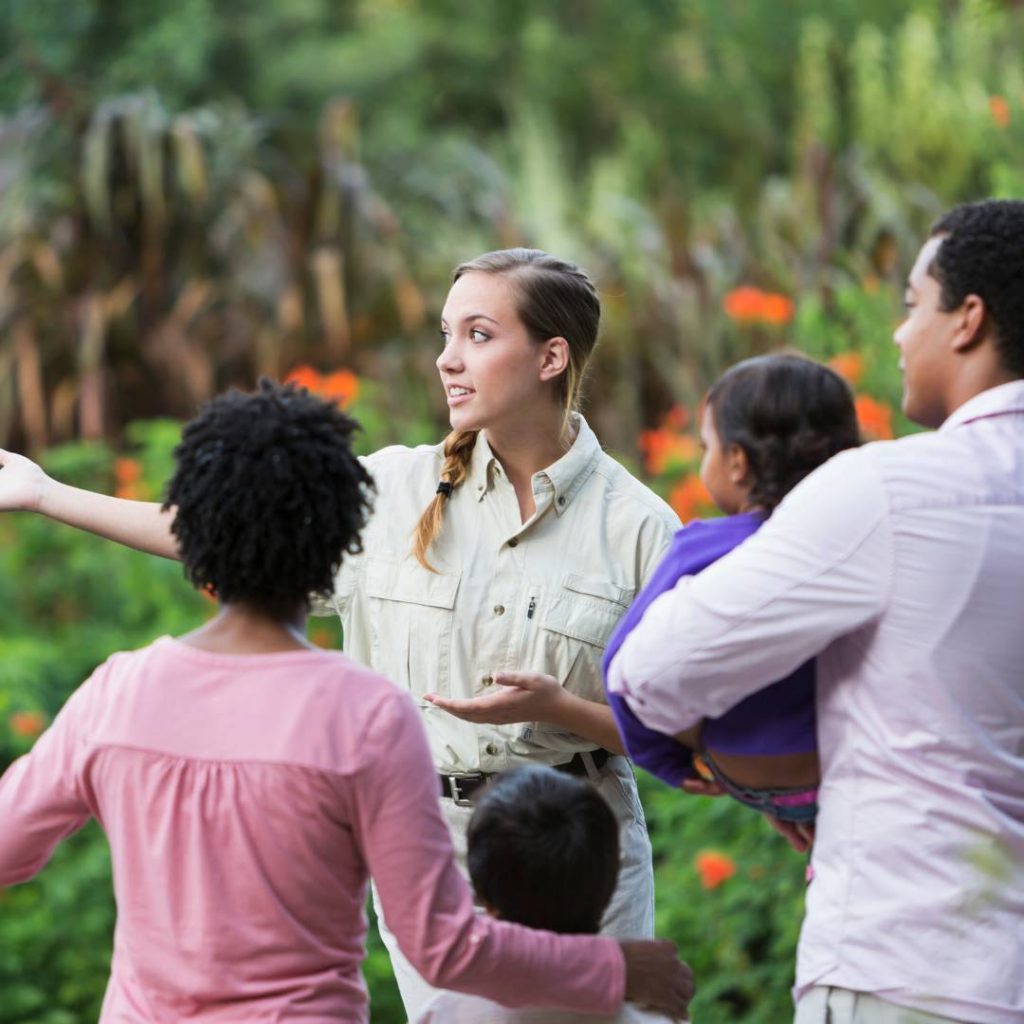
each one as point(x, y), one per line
point(765, 425)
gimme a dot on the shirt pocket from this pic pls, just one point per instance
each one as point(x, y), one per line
point(576, 624)
point(412, 612)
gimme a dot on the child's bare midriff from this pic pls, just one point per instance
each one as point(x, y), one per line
point(759, 771)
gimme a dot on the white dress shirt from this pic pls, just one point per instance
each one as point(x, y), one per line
point(901, 567)
point(541, 596)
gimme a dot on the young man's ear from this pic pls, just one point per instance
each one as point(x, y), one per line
point(737, 465)
point(554, 358)
point(973, 323)
point(491, 910)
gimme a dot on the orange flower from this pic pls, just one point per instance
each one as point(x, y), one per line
point(27, 724)
point(749, 305)
point(714, 868)
point(664, 450)
point(304, 377)
point(128, 478)
point(874, 417)
point(849, 366)
point(341, 386)
point(1000, 111)
point(676, 418)
point(690, 499)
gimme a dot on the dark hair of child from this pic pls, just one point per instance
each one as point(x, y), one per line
point(789, 414)
point(544, 850)
point(268, 497)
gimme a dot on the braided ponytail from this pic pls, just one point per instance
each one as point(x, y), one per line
point(458, 453)
point(554, 299)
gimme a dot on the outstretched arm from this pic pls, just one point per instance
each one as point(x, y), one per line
point(137, 524)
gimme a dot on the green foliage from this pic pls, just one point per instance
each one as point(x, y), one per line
point(739, 937)
point(193, 197)
point(293, 184)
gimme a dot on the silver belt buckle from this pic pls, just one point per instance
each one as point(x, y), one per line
point(457, 798)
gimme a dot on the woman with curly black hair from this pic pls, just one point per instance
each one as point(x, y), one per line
point(249, 782)
point(496, 563)
point(766, 424)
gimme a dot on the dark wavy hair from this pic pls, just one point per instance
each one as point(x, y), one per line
point(982, 253)
point(543, 850)
point(788, 413)
point(268, 497)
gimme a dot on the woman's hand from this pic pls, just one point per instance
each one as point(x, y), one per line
point(656, 977)
point(22, 483)
point(519, 697)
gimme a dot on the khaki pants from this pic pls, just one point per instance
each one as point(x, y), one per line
point(822, 1005)
point(630, 914)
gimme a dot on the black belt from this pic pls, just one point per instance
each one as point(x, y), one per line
point(461, 788)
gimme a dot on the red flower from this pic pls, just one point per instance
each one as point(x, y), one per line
point(749, 305)
point(1000, 111)
point(714, 868)
point(128, 479)
point(340, 387)
point(664, 449)
point(676, 418)
point(304, 377)
point(874, 417)
point(690, 499)
point(27, 724)
point(849, 366)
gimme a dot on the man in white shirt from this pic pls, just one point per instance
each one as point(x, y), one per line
point(900, 567)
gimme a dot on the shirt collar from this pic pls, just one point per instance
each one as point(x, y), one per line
point(1004, 398)
point(482, 467)
point(565, 477)
point(570, 472)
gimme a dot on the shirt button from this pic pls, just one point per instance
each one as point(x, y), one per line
point(487, 680)
point(561, 501)
point(499, 609)
point(491, 748)
point(513, 542)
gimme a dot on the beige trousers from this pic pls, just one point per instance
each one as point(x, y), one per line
point(630, 913)
point(823, 1005)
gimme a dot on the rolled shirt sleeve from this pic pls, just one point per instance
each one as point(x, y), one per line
point(819, 568)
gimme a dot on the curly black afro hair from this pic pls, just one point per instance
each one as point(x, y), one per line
point(789, 414)
point(268, 497)
point(982, 254)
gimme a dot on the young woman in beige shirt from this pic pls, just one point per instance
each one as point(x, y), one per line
point(496, 563)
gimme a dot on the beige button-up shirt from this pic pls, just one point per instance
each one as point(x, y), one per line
point(541, 596)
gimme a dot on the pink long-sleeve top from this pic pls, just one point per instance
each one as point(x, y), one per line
point(247, 799)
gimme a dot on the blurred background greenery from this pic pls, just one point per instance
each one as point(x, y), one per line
point(192, 194)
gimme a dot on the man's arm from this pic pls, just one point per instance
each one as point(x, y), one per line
point(819, 569)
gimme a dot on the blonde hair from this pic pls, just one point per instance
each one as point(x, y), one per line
point(554, 299)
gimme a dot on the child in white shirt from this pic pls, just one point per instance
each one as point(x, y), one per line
point(543, 850)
